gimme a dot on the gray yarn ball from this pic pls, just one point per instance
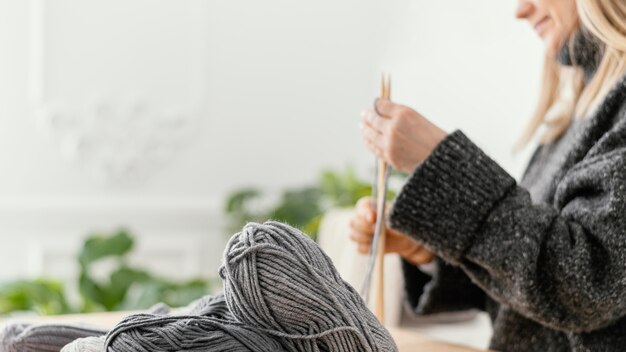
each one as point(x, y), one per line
point(278, 280)
point(212, 307)
point(282, 293)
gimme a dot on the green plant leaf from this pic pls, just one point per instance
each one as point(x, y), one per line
point(298, 207)
point(145, 294)
point(121, 280)
point(237, 201)
point(312, 227)
point(98, 246)
point(112, 293)
point(43, 296)
point(343, 189)
point(92, 294)
point(177, 295)
point(301, 207)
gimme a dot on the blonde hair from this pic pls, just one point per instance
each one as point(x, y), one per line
point(564, 95)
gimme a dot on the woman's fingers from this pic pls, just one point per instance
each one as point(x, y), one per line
point(372, 135)
point(362, 225)
point(362, 230)
point(361, 237)
point(419, 255)
point(399, 135)
point(377, 122)
point(373, 140)
point(374, 128)
point(424, 256)
point(365, 209)
point(387, 108)
point(364, 248)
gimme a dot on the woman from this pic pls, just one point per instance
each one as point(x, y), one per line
point(546, 257)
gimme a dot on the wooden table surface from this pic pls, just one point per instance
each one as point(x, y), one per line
point(407, 340)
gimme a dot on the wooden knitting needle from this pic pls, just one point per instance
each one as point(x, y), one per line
point(383, 170)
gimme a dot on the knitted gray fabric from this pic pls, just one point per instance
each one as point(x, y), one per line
point(583, 50)
point(282, 293)
point(18, 337)
point(546, 258)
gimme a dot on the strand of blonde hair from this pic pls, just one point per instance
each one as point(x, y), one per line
point(606, 21)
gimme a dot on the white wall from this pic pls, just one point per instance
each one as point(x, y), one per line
point(145, 113)
point(467, 65)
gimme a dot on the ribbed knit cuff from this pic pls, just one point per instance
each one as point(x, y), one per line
point(449, 195)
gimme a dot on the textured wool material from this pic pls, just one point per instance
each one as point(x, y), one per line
point(281, 293)
point(278, 279)
point(18, 337)
point(207, 307)
point(150, 333)
point(546, 258)
point(209, 327)
point(583, 50)
point(213, 307)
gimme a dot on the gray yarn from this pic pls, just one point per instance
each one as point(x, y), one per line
point(17, 337)
point(159, 309)
point(212, 307)
point(86, 344)
point(278, 280)
point(282, 293)
point(52, 337)
point(209, 306)
point(210, 327)
point(150, 333)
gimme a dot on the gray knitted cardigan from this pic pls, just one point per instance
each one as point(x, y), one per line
point(546, 258)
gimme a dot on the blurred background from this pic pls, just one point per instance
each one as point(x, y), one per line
point(137, 135)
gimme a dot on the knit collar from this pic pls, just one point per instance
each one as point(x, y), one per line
point(582, 50)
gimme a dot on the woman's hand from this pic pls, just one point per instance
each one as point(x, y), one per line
point(400, 135)
point(362, 228)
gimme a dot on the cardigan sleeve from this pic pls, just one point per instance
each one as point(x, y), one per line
point(561, 264)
